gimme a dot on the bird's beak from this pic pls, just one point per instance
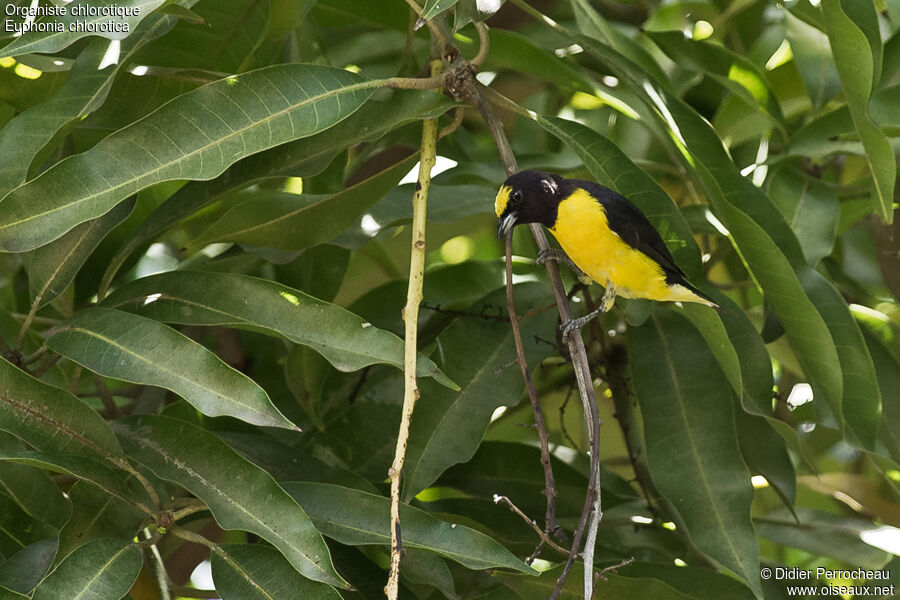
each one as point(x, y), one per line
point(507, 222)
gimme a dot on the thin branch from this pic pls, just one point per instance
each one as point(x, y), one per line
point(157, 567)
point(484, 42)
point(545, 539)
point(46, 365)
point(579, 359)
point(549, 484)
point(109, 403)
point(458, 114)
point(411, 318)
point(34, 356)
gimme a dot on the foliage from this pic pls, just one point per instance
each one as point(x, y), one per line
point(204, 236)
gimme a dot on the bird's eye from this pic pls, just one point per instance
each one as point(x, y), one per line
point(515, 196)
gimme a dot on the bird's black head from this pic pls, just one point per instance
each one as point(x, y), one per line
point(527, 197)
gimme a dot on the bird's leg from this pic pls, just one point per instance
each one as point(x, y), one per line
point(560, 256)
point(609, 297)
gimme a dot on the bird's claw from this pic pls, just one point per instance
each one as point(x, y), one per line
point(550, 254)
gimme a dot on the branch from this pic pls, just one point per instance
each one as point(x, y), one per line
point(579, 359)
point(551, 526)
point(545, 539)
point(411, 318)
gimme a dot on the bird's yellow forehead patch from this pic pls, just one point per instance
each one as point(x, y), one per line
point(501, 200)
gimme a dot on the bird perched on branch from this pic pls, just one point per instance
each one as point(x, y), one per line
point(604, 235)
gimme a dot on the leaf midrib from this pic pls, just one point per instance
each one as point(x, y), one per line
point(185, 156)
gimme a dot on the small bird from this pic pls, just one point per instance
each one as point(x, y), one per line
point(604, 235)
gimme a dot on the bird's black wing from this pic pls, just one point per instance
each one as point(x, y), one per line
point(630, 224)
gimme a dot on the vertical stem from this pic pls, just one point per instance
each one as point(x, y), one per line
point(410, 319)
point(550, 524)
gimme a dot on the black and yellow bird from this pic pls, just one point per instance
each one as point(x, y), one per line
point(603, 233)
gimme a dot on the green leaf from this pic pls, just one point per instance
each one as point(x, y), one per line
point(468, 11)
point(96, 514)
point(731, 70)
point(239, 494)
point(19, 530)
point(700, 583)
point(860, 406)
point(859, 69)
point(257, 572)
point(140, 350)
point(204, 298)
point(887, 368)
point(824, 534)
point(449, 426)
point(103, 569)
point(195, 136)
point(52, 268)
point(812, 56)
point(433, 8)
point(51, 419)
point(302, 158)
point(693, 456)
point(24, 570)
point(358, 518)
point(810, 207)
point(294, 222)
point(113, 482)
point(68, 28)
point(611, 586)
point(32, 489)
point(85, 89)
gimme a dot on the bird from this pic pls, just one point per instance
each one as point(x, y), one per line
point(602, 234)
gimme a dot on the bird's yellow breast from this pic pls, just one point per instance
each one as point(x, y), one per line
point(583, 232)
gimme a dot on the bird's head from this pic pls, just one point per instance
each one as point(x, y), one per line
point(527, 197)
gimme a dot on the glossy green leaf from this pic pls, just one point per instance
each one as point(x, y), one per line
point(854, 55)
point(730, 69)
point(68, 28)
point(140, 350)
point(113, 482)
point(51, 419)
point(103, 569)
point(86, 88)
point(765, 453)
point(257, 572)
point(691, 451)
point(301, 158)
point(824, 534)
point(96, 514)
point(812, 56)
point(861, 402)
point(239, 494)
point(294, 222)
point(52, 268)
point(887, 368)
point(32, 489)
point(469, 11)
point(811, 208)
point(196, 136)
point(19, 530)
point(358, 518)
point(23, 570)
point(433, 8)
point(697, 582)
point(449, 425)
point(203, 298)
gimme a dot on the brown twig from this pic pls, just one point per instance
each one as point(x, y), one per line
point(601, 574)
point(109, 403)
point(545, 539)
point(551, 526)
point(579, 359)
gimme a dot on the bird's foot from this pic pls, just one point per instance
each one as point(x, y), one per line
point(560, 256)
point(574, 325)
